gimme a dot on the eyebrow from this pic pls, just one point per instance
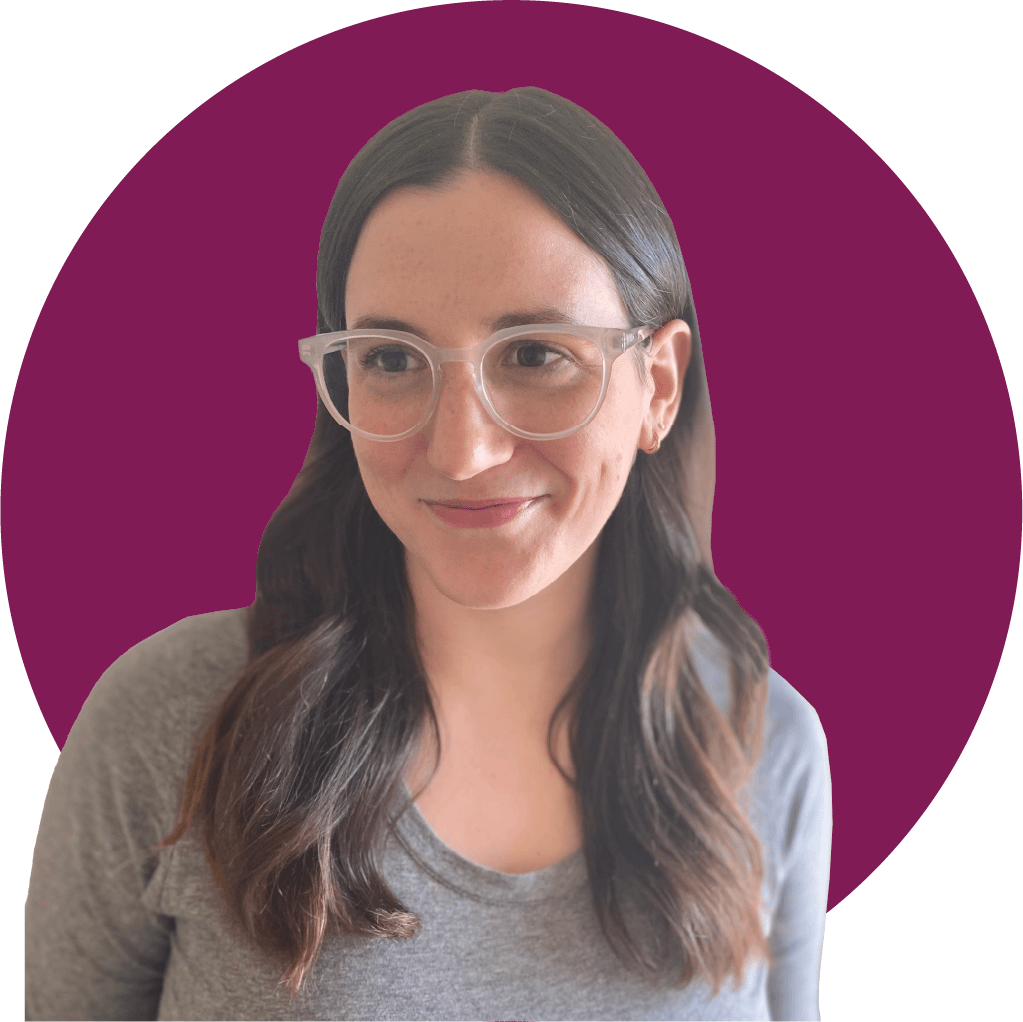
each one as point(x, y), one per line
point(524, 317)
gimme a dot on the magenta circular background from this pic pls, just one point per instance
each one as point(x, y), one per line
point(868, 502)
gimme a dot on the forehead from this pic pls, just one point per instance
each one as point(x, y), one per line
point(456, 258)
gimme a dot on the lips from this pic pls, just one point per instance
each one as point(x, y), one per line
point(487, 513)
point(479, 505)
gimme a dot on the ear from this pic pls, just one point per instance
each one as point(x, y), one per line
point(667, 362)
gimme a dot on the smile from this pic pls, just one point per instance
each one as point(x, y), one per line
point(480, 514)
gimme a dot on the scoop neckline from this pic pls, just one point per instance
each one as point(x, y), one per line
point(454, 870)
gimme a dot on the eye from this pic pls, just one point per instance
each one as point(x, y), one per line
point(534, 355)
point(392, 359)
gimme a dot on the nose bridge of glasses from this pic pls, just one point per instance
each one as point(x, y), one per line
point(458, 377)
point(469, 355)
point(447, 359)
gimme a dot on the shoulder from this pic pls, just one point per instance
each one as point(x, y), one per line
point(94, 948)
point(791, 783)
point(145, 712)
point(179, 671)
point(204, 642)
point(793, 734)
point(791, 789)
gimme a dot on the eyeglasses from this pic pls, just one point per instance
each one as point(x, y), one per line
point(540, 382)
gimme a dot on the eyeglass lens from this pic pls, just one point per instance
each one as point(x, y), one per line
point(543, 383)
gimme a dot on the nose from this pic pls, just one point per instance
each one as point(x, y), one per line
point(462, 439)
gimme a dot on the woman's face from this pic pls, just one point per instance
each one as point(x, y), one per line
point(448, 263)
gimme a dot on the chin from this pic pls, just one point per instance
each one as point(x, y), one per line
point(492, 589)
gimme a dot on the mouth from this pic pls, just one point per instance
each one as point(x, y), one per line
point(479, 505)
point(487, 513)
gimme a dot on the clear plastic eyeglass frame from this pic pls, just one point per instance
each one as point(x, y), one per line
point(612, 343)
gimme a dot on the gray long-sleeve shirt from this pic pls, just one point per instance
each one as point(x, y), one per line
point(114, 931)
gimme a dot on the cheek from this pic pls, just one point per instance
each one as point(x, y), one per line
point(599, 464)
point(613, 441)
point(383, 468)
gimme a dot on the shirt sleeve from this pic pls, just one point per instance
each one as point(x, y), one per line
point(797, 926)
point(92, 950)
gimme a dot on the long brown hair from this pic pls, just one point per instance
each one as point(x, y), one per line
point(295, 780)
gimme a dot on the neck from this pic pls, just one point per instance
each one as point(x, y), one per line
point(516, 661)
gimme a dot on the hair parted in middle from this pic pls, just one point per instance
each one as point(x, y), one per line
point(296, 779)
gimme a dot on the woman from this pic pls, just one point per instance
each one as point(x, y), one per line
point(492, 741)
